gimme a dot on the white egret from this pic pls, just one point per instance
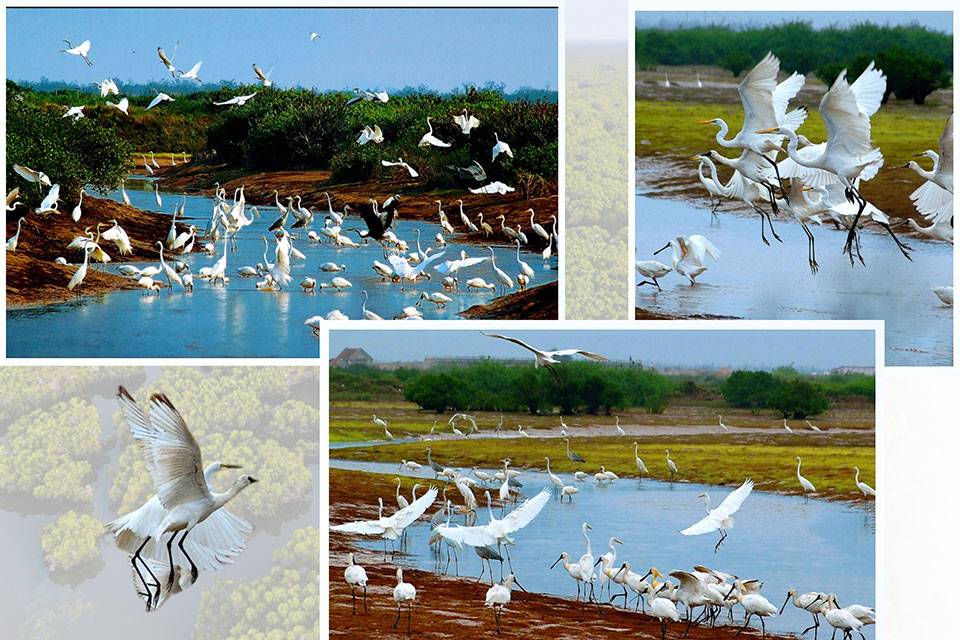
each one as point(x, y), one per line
point(620, 431)
point(806, 484)
point(123, 194)
point(168, 272)
point(500, 147)
point(525, 268)
point(237, 100)
point(77, 280)
point(367, 314)
point(192, 74)
point(123, 105)
point(81, 50)
point(499, 594)
point(786, 426)
point(264, 79)
point(368, 96)
point(863, 486)
point(160, 97)
point(390, 528)
point(356, 576)
point(810, 601)
point(107, 87)
point(723, 426)
point(73, 112)
point(555, 479)
point(544, 358)
point(754, 604)
point(404, 593)
point(429, 139)
point(944, 293)
point(568, 490)
point(671, 465)
point(722, 517)
point(212, 543)
point(840, 618)
point(641, 468)
point(119, 237)
point(172, 456)
point(370, 134)
point(401, 501)
point(812, 426)
point(466, 122)
point(494, 187)
point(661, 609)
point(400, 163)
point(12, 241)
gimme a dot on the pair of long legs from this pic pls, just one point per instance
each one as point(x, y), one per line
point(409, 615)
point(354, 594)
point(763, 628)
point(155, 596)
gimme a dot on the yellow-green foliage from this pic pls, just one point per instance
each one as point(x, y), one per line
point(46, 453)
point(23, 389)
point(284, 605)
point(72, 540)
point(772, 466)
point(294, 420)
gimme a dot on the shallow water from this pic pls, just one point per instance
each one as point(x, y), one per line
point(36, 600)
point(757, 282)
point(782, 540)
point(238, 320)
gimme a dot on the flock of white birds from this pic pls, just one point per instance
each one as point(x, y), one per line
point(714, 591)
point(403, 265)
point(825, 178)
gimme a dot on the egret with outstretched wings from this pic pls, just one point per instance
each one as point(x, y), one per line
point(722, 517)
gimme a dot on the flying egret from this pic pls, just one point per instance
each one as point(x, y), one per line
point(367, 96)
point(192, 74)
point(123, 105)
point(160, 97)
point(390, 528)
point(500, 147)
point(81, 50)
point(806, 484)
point(237, 100)
point(544, 358)
point(212, 544)
point(264, 79)
point(429, 139)
point(172, 456)
point(404, 593)
point(863, 486)
point(400, 163)
point(466, 122)
point(722, 517)
point(168, 62)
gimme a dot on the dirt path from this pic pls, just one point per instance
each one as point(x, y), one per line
point(536, 303)
point(450, 607)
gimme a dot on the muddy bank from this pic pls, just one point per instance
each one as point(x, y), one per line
point(415, 203)
point(449, 607)
point(34, 278)
point(536, 303)
point(644, 314)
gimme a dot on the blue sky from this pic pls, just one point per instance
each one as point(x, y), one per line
point(370, 48)
point(807, 350)
point(938, 20)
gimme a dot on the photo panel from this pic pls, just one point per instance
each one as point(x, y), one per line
point(621, 461)
point(177, 191)
point(834, 132)
point(84, 450)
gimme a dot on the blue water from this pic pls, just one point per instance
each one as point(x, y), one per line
point(238, 320)
point(786, 542)
point(757, 282)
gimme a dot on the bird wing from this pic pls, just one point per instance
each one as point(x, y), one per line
point(784, 93)
point(756, 93)
point(732, 502)
point(933, 201)
point(702, 247)
point(259, 73)
point(480, 536)
point(424, 263)
point(215, 540)
point(163, 57)
point(171, 453)
point(404, 517)
point(810, 176)
point(846, 126)
point(155, 102)
point(513, 340)
point(364, 527)
point(387, 163)
point(570, 352)
point(400, 266)
point(868, 89)
point(194, 70)
point(689, 581)
point(709, 523)
point(945, 165)
point(465, 492)
point(526, 512)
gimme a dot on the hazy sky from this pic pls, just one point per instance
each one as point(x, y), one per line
point(938, 20)
point(370, 48)
point(818, 350)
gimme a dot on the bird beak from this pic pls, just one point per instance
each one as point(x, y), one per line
point(731, 591)
point(771, 130)
point(589, 527)
point(919, 155)
point(705, 122)
point(252, 479)
point(785, 604)
point(807, 188)
point(619, 571)
point(224, 465)
point(647, 576)
point(661, 249)
point(556, 561)
point(598, 561)
point(617, 540)
point(517, 582)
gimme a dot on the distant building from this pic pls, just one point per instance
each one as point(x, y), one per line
point(849, 369)
point(350, 357)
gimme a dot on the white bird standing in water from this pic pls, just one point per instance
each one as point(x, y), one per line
point(722, 517)
point(641, 468)
point(806, 484)
point(863, 486)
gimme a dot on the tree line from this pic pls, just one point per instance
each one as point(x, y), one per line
point(589, 388)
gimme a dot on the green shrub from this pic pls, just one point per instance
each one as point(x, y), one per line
point(798, 399)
